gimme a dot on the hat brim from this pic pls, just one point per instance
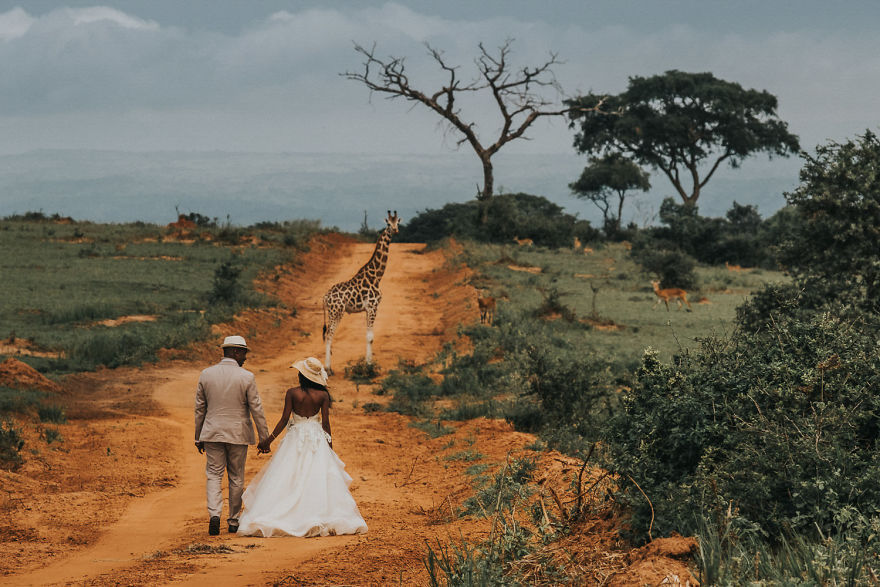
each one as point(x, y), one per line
point(234, 346)
point(301, 367)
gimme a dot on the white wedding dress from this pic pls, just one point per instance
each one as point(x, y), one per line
point(302, 490)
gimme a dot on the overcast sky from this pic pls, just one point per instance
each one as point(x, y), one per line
point(263, 75)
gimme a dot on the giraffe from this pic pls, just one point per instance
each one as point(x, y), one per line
point(360, 293)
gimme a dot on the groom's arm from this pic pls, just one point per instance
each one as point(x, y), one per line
point(256, 408)
point(200, 410)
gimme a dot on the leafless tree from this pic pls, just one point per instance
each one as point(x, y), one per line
point(517, 93)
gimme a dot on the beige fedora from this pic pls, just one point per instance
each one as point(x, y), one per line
point(312, 369)
point(234, 341)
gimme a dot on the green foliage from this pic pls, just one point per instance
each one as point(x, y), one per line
point(607, 177)
point(362, 372)
point(836, 243)
point(510, 215)
point(52, 413)
point(434, 429)
point(11, 444)
point(52, 435)
point(672, 267)
point(848, 557)
point(783, 424)
point(507, 488)
point(225, 288)
point(685, 124)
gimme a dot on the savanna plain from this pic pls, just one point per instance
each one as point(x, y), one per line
point(459, 470)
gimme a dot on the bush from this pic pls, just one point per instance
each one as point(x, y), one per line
point(11, 444)
point(781, 425)
point(510, 215)
point(672, 267)
point(52, 413)
point(225, 288)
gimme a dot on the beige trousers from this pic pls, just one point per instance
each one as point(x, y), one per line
point(231, 458)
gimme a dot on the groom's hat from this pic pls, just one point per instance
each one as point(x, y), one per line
point(234, 341)
point(312, 369)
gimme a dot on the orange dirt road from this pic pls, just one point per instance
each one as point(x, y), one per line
point(121, 500)
point(159, 537)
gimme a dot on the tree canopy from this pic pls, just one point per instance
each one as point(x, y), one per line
point(608, 176)
point(684, 124)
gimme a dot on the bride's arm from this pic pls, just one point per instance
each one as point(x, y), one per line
point(288, 407)
point(325, 418)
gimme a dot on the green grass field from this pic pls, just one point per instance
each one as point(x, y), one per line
point(60, 279)
point(628, 319)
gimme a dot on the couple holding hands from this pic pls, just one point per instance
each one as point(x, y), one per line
point(303, 489)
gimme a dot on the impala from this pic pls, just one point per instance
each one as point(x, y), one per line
point(487, 309)
point(523, 242)
point(672, 293)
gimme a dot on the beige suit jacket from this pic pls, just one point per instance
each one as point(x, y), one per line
point(226, 400)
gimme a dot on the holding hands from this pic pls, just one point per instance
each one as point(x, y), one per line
point(265, 445)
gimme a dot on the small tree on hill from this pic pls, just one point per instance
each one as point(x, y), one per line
point(605, 178)
point(684, 124)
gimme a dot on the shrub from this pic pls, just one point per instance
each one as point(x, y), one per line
point(672, 267)
point(781, 425)
point(52, 413)
point(510, 215)
point(225, 288)
point(11, 444)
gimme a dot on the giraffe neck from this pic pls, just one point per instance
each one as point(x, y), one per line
point(375, 267)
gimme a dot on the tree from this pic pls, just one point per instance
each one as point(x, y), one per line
point(515, 92)
point(603, 178)
point(836, 245)
point(684, 124)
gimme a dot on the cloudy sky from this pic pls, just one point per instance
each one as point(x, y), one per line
point(259, 77)
point(263, 75)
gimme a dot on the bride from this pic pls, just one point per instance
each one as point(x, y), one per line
point(303, 489)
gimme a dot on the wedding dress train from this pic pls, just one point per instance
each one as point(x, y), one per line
point(302, 490)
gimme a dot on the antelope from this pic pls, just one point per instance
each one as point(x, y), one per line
point(523, 242)
point(577, 244)
point(732, 267)
point(672, 293)
point(487, 309)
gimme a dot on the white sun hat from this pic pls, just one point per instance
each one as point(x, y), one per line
point(234, 341)
point(312, 369)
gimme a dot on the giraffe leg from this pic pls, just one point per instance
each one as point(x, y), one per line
point(371, 318)
point(333, 322)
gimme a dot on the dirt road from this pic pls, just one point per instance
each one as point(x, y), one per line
point(121, 500)
point(162, 536)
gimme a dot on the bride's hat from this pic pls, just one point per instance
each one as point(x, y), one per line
point(312, 369)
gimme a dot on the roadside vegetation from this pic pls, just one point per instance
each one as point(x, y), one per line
point(751, 422)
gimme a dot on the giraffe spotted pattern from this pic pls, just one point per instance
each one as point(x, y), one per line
point(360, 293)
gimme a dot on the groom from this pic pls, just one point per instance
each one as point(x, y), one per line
point(226, 400)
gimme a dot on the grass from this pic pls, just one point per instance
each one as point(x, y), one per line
point(62, 278)
point(626, 320)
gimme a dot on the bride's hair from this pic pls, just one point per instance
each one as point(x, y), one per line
point(305, 383)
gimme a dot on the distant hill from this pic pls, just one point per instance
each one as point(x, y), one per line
point(115, 186)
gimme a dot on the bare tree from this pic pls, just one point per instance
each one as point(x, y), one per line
point(515, 92)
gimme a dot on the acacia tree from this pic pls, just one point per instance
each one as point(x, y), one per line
point(604, 178)
point(684, 124)
point(516, 93)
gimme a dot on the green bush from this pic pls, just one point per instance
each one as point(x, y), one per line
point(781, 425)
point(52, 413)
point(11, 444)
point(510, 215)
